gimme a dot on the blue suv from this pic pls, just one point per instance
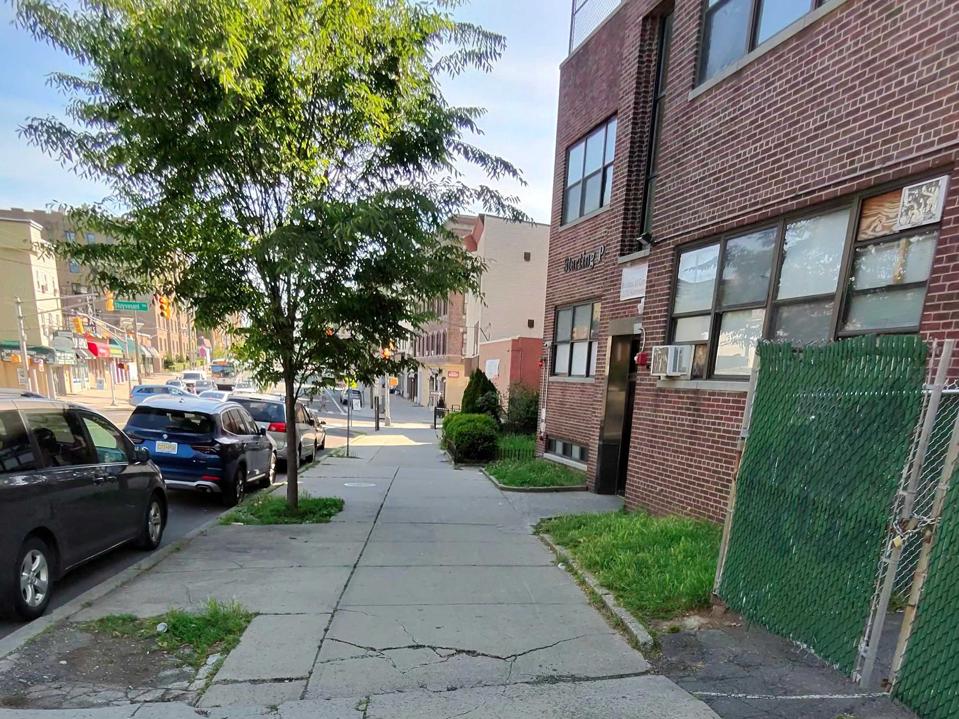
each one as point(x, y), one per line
point(204, 445)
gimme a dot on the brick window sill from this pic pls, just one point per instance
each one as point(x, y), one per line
point(704, 385)
point(580, 220)
point(573, 380)
point(768, 46)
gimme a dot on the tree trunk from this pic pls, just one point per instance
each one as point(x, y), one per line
point(292, 450)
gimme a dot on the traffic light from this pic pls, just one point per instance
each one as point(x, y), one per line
point(108, 301)
point(78, 326)
point(166, 308)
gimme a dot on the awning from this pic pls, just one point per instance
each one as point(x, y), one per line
point(98, 346)
point(117, 348)
point(145, 351)
point(84, 354)
point(154, 353)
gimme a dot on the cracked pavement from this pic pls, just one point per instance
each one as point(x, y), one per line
point(428, 596)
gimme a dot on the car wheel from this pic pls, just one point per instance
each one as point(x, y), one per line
point(34, 579)
point(270, 478)
point(235, 490)
point(154, 522)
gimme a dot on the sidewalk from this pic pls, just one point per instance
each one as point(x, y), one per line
point(426, 597)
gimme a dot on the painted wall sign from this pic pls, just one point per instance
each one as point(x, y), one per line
point(453, 373)
point(634, 282)
point(586, 261)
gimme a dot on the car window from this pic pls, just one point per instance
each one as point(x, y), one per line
point(60, 438)
point(16, 451)
point(171, 420)
point(301, 417)
point(110, 445)
point(231, 422)
point(263, 411)
point(245, 421)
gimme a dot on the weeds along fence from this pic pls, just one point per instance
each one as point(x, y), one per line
point(842, 520)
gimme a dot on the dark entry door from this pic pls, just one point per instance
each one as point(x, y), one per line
point(617, 416)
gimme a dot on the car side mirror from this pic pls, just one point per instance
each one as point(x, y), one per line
point(141, 455)
point(261, 431)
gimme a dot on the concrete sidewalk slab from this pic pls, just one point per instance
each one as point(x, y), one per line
point(448, 533)
point(275, 590)
point(453, 510)
point(492, 554)
point(430, 586)
point(275, 647)
point(255, 694)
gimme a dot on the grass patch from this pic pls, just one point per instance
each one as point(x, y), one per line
point(190, 636)
point(516, 443)
point(657, 567)
point(273, 509)
point(534, 473)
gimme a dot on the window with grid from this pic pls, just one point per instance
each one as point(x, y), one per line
point(662, 58)
point(563, 448)
point(575, 336)
point(732, 28)
point(589, 172)
point(857, 268)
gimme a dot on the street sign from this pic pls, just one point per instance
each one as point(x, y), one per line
point(22, 375)
point(130, 305)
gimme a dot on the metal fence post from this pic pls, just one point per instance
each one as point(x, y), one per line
point(922, 567)
point(731, 504)
point(905, 521)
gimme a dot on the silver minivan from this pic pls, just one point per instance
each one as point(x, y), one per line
point(269, 412)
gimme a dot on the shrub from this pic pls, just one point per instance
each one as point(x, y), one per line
point(478, 386)
point(522, 409)
point(471, 437)
point(489, 404)
point(168, 363)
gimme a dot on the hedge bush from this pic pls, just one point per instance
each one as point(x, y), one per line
point(522, 409)
point(470, 437)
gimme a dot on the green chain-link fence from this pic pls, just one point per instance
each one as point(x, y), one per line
point(830, 433)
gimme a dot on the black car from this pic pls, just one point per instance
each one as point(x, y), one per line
point(72, 486)
point(204, 445)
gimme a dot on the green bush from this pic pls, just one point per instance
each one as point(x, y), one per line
point(522, 409)
point(489, 404)
point(168, 363)
point(471, 437)
point(475, 399)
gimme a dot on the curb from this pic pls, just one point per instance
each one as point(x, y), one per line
point(636, 631)
point(534, 490)
point(15, 640)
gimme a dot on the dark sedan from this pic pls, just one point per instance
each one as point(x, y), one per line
point(72, 487)
point(204, 445)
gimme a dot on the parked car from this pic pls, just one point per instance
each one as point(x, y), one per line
point(269, 412)
point(204, 385)
point(141, 391)
point(190, 378)
point(176, 382)
point(204, 445)
point(72, 487)
point(218, 394)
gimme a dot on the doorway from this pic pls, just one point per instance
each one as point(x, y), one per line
point(617, 427)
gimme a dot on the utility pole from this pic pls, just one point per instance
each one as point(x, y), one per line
point(136, 347)
point(24, 356)
point(386, 400)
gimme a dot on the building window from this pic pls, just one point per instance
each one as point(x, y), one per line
point(91, 239)
point(74, 266)
point(589, 172)
point(799, 280)
point(732, 28)
point(575, 337)
point(569, 450)
point(656, 121)
point(70, 236)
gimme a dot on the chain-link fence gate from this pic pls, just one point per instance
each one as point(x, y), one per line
point(829, 435)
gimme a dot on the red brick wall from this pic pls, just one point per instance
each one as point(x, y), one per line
point(864, 96)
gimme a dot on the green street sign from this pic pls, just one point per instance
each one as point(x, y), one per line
point(130, 305)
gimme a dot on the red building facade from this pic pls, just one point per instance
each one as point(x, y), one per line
point(727, 171)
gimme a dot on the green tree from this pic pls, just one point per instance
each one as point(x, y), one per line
point(476, 399)
point(291, 162)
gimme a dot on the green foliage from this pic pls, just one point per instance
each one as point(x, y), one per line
point(519, 443)
point(657, 567)
point(291, 163)
point(488, 403)
point(193, 636)
point(471, 437)
point(535, 473)
point(168, 362)
point(271, 509)
point(522, 409)
point(476, 396)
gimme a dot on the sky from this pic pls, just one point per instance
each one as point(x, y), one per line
point(520, 96)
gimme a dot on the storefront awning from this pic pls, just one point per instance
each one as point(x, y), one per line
point(98, 346)
point(117, 348)
point(84, 354)
point(154, 353)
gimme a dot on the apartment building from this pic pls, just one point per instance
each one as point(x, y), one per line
point(727, 171)
point(503, 321)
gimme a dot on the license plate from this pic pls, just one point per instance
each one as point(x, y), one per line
point(166, 447)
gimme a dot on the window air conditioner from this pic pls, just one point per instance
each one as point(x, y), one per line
point(672, 361)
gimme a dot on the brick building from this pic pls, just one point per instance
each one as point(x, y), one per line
point(730, 170)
